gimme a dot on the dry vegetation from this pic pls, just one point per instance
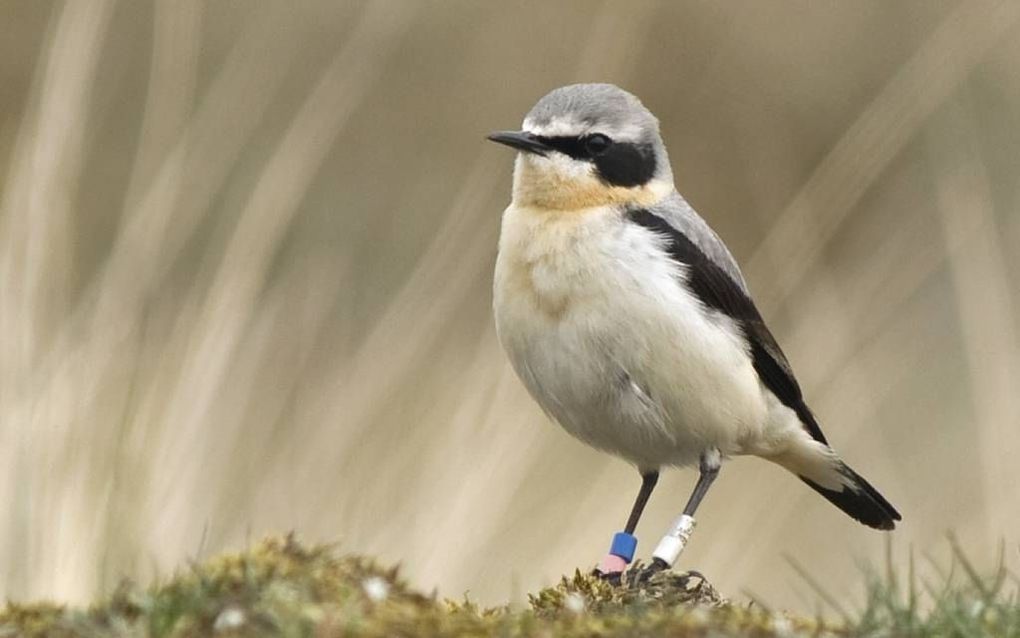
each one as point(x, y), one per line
point(246, 249)
point(281, 588)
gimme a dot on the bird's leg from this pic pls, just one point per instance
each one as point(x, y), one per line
point(673, 543)
point(648, 481)
point(621, 552)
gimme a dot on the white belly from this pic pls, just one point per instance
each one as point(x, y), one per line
point(600, 328)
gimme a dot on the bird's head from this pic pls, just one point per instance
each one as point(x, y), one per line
point(588, 145)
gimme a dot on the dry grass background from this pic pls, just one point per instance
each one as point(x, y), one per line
point(245, 258)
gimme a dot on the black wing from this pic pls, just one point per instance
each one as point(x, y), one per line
point(717, 290)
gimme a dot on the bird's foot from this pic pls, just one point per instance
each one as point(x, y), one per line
point(613, 578)
point(614, 564)
point(643, 573)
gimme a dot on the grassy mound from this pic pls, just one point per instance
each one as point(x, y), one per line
point(281, 588)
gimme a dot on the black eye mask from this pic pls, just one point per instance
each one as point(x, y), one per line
point(625, 164)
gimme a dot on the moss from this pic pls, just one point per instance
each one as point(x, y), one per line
point(282, 588)
point(279, 587)
point(665, 589)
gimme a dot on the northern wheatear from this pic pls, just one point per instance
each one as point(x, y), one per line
point(630, 323)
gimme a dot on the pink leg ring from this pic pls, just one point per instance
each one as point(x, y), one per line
point(612, 564)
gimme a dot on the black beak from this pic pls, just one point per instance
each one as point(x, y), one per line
point(522, 141)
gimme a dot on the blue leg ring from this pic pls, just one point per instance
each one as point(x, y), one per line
point(624, 545)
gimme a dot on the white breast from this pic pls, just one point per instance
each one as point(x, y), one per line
point(598, 324)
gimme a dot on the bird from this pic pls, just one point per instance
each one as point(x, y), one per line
point(630, 323)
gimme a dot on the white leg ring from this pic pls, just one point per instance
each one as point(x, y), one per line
point(673, 543)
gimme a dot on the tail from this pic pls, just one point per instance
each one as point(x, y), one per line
point(859, 499)
point(818, 466)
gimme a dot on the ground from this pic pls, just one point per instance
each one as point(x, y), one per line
point(282, 588)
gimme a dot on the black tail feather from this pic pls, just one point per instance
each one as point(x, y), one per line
point(862, 502)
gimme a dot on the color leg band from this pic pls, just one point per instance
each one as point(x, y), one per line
point(612, 565)
point(621, 552)
point(624, 545)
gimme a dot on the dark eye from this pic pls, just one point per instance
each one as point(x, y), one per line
point(596, 143)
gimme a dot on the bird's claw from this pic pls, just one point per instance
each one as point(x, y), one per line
point(613, 578)
point(646, 572)
point(640, 574)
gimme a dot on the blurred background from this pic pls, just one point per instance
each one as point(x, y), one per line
point(245, 266)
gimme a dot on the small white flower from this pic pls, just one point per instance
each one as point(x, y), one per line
point(229, 618)
point(376, 589)
point(574, 603)
point(781, 626)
